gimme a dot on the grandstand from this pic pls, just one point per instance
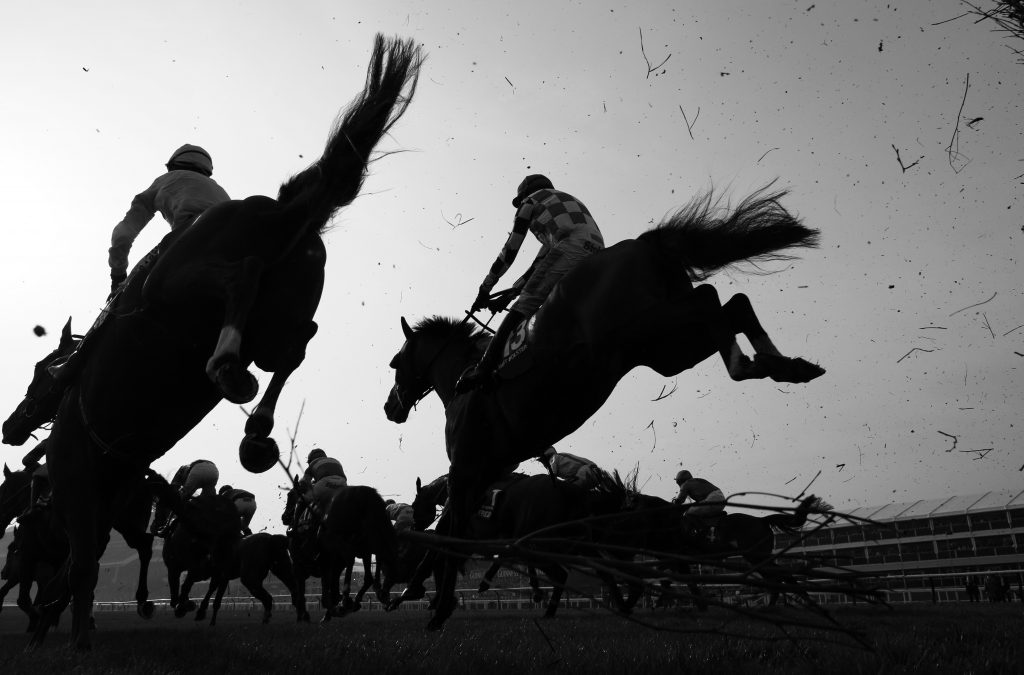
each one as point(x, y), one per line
point(924, 550)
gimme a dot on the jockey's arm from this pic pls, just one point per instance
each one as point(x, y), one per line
point(509, 251)
point(142, 210)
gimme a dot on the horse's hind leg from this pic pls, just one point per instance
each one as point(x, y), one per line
point(254, 585)
point(767, 357)
point(492, 571)
point(559, 576)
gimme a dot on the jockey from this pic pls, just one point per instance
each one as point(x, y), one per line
point(245, 503)
point(180, 195)
point(201, 475)
point(708, 500)
point(567, 233)
point(402, 514)
point(572, 468)
point(322, 479)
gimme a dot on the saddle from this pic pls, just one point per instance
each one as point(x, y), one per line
point(492, 497)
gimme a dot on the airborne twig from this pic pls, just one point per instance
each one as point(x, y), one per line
point(977, 304)
point(651, 69)
point(689, 127)
point(902, 165)
point(949, 436)
point(953, 149)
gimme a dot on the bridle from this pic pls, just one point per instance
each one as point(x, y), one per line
point(425, 387)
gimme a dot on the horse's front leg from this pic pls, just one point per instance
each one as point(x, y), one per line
point(142, 543)
point(236, 285)
point(258, 452)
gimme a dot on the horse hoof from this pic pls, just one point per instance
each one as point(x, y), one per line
point(235, 383)
point(146, 609)
point(258, 454)
point(435, 625)
point(784, 369)
point(259, 425)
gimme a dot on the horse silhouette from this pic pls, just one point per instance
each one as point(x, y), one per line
point(213, 520)
point(239, 286)
point(522, 505)
point(632, 304)
point(45, 543)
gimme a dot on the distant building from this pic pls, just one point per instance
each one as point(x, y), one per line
point(925, 550)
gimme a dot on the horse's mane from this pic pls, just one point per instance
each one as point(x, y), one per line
point(446, 327)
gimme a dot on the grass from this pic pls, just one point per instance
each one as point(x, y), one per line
point(929, 639)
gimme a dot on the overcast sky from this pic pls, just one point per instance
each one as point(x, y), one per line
point(913, 302)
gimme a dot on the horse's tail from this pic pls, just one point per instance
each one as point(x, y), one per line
point(705, 236)
point(790, 522)
point(335, 179)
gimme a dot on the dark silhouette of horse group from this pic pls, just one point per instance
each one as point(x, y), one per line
point(241, 286)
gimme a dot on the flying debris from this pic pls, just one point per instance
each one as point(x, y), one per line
point(39, 331)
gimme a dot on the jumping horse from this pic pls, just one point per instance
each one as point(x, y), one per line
point(632, 304)
point(240, 286)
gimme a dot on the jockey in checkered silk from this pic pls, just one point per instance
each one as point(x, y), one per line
point(573, 469)
point(708, 499)
point(567, 233)
point(180, 195)
point(245, 503)
point(323, 477)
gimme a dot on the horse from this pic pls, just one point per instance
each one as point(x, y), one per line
point(239, 286)
point(654, 524)
point(213, 519)
point(303, 548)
point(130, 518)
point(521, 505)
point(411, 554)
point(184, 553)
point(356, 526)
point(632, 304)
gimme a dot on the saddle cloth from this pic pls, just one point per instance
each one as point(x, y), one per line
point(516, 356)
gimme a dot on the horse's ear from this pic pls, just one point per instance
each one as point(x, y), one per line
point(406, 329)
point(7, 474)
point(65, 333)
point(419, 485)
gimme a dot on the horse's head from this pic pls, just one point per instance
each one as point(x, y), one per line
point(39, 406)
point(433, 356)
point(428, 498)
point(411, 383)
point(288, 515)
point(14, 495)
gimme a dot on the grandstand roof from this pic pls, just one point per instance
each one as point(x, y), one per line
point(944, 506)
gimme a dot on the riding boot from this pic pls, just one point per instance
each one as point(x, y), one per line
point(484, 370)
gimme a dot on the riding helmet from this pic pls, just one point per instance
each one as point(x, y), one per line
point(531, 184)
point(191, 158)
point(315, 453)
point(224, 490)
point(683, 476)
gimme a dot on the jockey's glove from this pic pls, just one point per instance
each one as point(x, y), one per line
point(482, 298)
